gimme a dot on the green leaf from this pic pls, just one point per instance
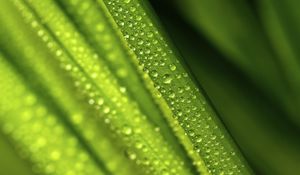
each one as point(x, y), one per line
point(188, 105)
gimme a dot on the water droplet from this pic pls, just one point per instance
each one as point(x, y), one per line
point(139, 145)
point(199, 139)
point(68, 67)
point(172, 67)
point(88, 86)
point(138, 18)
point(106, 109)
point(100, 101)
point(129, 154)
point(154, 73)
point(167, 79)
point(172, 95)
point(156, 129)
point(91, 101)
point(149, 34)
point(132, 9)
point(123, 89)
point(58, 53)
point(126, 130)
point(55, 155)
point(187, 88)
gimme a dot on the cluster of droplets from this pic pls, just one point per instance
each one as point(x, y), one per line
point(38, 132)
point(86, 72)
point(188, 105)
point(98, 28)
point(96, 25)
point(82, 120)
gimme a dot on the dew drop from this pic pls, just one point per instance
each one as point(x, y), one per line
point(172, 67)
point(100, 101)
point(172, 95)
point(156, 129)
point(150, 35)
point(167, 79)
point(91, 101)
point(55, 155)
point(154, 73)
point(68, 67)
point(58, 53)
point(126, 130)
point(88, 86)
point(139, 145)
point(132, 9)
point(131, 155)
point(138, 18)
point(106, 109)
point(122, 89)
point(199, 139)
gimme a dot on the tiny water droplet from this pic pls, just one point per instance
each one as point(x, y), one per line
point(138, 18)
point(55, 155)
point(149, 34)
point(106, 109)
point(156, 129)
point(172, 95)
point(100, 101)
point(132, 9)
point(68, 67)
point(91, 101)
point(126, 130)
point(130, 155)
point(172, 67)
point(139, 145)
point(167, 79)
point(199, 139)
point(58, 53)
point(123, 89)
point(154, 73)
